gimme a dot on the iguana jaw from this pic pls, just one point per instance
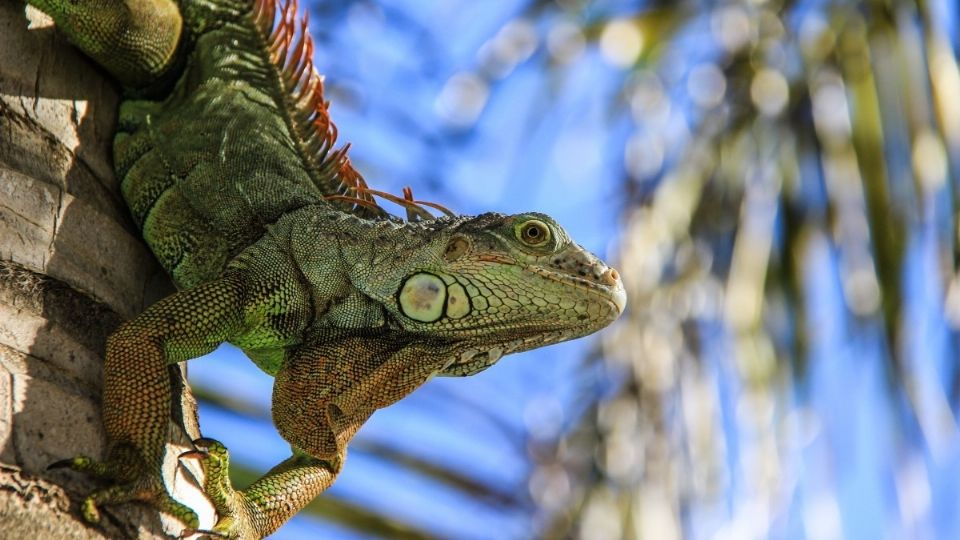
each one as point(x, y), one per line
point(610, 289)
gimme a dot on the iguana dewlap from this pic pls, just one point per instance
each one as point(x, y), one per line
point(227, 162)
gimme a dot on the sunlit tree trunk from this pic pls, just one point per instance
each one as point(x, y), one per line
point(72, 268)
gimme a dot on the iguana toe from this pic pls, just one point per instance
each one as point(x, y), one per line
point(84, 464)
point(131, 482)
point(140, 490)
point(234, 520)
point(214, 459)
point(207, 534)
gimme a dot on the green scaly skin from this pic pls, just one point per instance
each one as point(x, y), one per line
point(348, 309)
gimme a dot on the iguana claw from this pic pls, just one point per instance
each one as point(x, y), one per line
point(193, 454)
point(128, 486)
point(233, 519)
point(84, 464)
point(62, 464)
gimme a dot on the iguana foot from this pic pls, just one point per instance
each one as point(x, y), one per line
point(204, 534)
point(233, 513)
point(128, 486)
point(265, 505)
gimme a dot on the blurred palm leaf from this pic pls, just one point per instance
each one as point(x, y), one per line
point(823, 144)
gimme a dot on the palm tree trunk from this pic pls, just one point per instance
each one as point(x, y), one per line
point(72, 268)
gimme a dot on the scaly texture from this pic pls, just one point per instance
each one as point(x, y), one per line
point(278, 246)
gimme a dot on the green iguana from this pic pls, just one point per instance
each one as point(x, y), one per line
point(227, 160)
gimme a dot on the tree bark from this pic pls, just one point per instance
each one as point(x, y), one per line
point(72, 268)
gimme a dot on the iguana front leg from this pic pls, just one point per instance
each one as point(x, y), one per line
point(325, 392)
point(261, 304)
point(321, 397)
point(137, 392)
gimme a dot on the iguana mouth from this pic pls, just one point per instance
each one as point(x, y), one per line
point(615, 294)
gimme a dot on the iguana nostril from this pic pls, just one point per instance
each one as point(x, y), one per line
point(610, 277)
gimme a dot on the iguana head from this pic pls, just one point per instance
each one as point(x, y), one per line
point(493, 283)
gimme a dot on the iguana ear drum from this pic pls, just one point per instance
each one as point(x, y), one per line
point(456, 248)
point(422, 297)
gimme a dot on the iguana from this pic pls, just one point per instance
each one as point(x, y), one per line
point(227, 161)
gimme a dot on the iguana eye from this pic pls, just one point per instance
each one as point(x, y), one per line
point(533, 233)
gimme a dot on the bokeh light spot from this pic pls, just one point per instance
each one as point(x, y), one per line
point(706, 85)
point(621, 42)
point(565, 42)
point(516, 41)
point(462, 99)
point(769, 91)
point(644, 155)
point(929, 160)
point(731, 27)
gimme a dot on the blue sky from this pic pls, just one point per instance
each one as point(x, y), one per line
point(867, 466)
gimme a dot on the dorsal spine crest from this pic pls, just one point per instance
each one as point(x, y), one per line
point(290, 47)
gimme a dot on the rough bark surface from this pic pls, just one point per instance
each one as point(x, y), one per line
point(72, 268)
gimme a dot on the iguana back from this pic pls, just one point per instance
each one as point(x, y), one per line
point(241, 138)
